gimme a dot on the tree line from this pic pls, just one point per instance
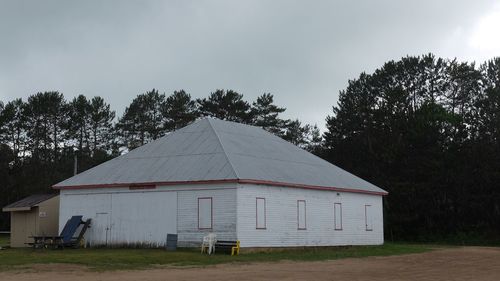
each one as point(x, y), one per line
point(425, 129)
point(152, 115)
point(40, 136)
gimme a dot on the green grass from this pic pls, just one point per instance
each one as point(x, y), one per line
point(486, 238)
point(116, 259)
point(4, 240)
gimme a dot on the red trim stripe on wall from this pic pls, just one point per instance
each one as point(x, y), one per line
point(242, 181)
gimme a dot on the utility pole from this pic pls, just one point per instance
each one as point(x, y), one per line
point(75, 168)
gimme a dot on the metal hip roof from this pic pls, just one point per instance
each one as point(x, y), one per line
point(212, 150)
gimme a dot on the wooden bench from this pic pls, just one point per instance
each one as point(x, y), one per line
point(227, 246)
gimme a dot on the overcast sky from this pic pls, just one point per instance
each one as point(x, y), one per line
point(303, 52)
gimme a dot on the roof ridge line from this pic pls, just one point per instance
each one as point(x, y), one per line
point(223, 148)
point(280, 139)
point(281, 160)
point(173, 155)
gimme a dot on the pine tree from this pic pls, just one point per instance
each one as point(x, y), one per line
point(225, 105)
point(265, 114)
point(179, 110)
point(78, 122)
point(142, 120)
point(13, 127)
point(101, 133)
point(47, 115)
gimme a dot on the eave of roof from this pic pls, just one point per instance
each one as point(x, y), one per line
point(241, 181)
point(27, 203)
point(14, 209)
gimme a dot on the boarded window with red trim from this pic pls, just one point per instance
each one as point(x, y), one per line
point(301, 214)
point(337, 213)
point(205, 218)
point(260, 212)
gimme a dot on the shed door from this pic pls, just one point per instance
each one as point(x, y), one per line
point(368, 217)
point(20, 229)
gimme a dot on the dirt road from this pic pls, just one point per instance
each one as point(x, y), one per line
point(468, 263)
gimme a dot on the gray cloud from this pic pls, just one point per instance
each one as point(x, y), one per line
point(303, 52)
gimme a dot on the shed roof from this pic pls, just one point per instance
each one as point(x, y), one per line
point(212, 150)
point(27, 203)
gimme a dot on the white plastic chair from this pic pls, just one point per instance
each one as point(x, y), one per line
point(204, 244)
point(212, 239)
point(209, 243)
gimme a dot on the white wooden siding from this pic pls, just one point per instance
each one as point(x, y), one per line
point(281, 217)
point(152, 214)
point(121, 216)
point(94, 206)
point(223, 214)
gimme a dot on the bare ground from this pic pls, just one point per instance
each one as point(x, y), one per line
point(465, 263)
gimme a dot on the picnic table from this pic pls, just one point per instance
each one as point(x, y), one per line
point(41, 242)
point(66, 238)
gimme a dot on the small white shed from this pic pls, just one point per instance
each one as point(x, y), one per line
point(235, 180)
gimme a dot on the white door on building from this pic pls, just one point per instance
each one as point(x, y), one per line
point(368, 217)
point(101, 225)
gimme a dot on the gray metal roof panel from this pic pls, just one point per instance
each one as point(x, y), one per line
point(212, 149)
point(30, 201)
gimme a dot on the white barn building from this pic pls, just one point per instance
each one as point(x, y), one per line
point(235, 180)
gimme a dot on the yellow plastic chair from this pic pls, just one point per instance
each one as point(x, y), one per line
point(236, 249)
